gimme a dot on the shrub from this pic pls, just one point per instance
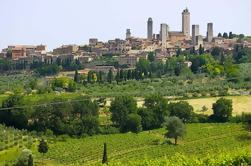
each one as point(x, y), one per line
point(222, 110)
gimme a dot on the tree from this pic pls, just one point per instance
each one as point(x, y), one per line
point(182, 110)
point(129, 75)
point(143, 67)
point(201, 50)
point(156, 108)
point(241, 36)
point(219, 35)
point(225, 35)
point(47, 70)
point(175, 128)
point(217, 52)
point(120, 108)
point(90, 77)
point(76, 76)
point(198, 61)
point(151, 56)
point(25, 158)
point(178, 52)
point(134, 123)
point(117, 77)
point(100, 77)
point(222, 110)
point(72, 86)
point(42, 147)
point(110, 76)
point(105, 159)
point(41, 118)
point(16, 117)
point(204, 109)
point(230, 35)
point(30, 160)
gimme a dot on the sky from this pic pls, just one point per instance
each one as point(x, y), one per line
point(57, 22)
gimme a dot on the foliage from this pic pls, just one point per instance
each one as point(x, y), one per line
point(74, 118)
point(48, 70)
point(12, 115)
point(175, 128)
point(42, 147)
point(241, 54)
point(134, 123)
point(182, 110)
point(120, 108)
point(222, 110)
point(64, 83)
point(105, 159)
point(155, 110)
point(25, 158)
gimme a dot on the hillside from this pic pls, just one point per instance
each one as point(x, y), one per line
point(201, 140)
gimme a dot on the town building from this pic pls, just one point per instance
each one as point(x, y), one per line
point(199, 41)
point(129, 60)
point(93, 42)
point(66, 50)
point(195, 33)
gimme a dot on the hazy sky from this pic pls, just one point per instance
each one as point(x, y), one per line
point(57, 22)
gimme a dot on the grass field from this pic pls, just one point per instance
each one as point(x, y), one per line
point(240, 104)
point(201, 140)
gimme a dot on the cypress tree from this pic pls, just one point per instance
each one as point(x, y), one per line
point(42, 147)
point(30, 160)
point(105, 160)
point(110, 76)
point(76, 76)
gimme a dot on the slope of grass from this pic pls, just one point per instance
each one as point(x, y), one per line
point(201, 140)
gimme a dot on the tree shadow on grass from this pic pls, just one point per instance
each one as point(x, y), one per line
point(244, 137)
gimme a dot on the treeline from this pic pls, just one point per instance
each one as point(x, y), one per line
point(231, 35)
point(217, 63)
point(80, 116)
point(127, 117)
point(74, 117)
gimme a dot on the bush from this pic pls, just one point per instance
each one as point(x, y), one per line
point(25, 158)
point(222, 110)
point(108, 130)
point(182, 110)
point(134, 123)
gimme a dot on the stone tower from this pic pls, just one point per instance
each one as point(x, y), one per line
point(150, 29)
point(210, 33)
point(195, 32)
point(128, 33)
point(186, 23)
point(164, 35)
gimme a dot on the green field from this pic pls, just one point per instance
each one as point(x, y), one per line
point(200, 141)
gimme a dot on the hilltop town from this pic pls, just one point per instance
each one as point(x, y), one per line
point(127, 52)
point(170, 98)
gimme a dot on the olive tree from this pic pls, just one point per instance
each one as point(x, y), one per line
point(175, 128)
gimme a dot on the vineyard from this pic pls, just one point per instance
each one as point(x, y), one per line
point(224, 159)
point(200, 141)
point(11, 140)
